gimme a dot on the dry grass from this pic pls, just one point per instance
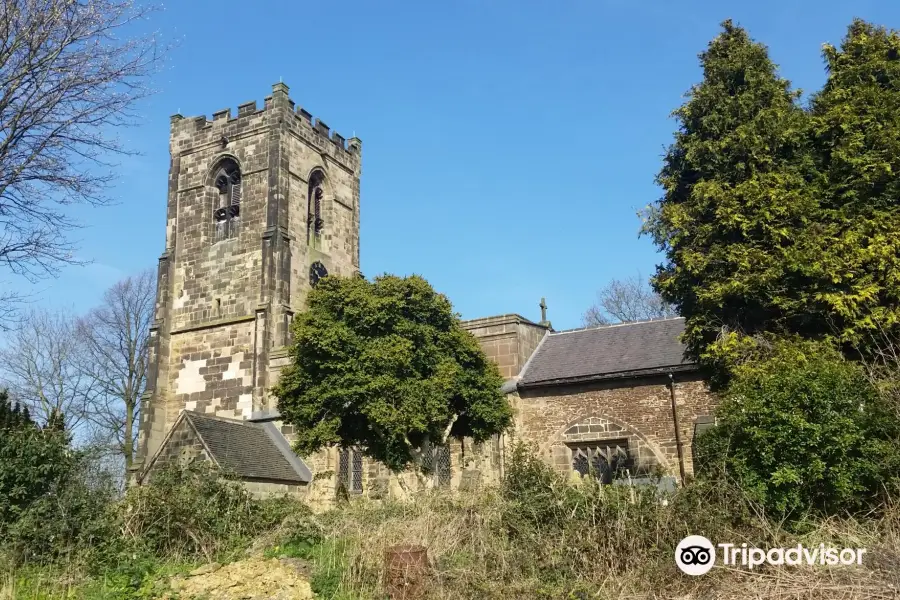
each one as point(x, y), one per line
point(475, 557)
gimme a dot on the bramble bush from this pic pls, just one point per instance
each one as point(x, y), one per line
point(196, 511)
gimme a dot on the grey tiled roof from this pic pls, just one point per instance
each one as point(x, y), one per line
point(250, 450)
point(627, 349)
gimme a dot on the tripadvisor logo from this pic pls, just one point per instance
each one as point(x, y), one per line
point(696, 555)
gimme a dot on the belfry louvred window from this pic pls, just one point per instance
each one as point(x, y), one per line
point(315, 222)
point(227, 213)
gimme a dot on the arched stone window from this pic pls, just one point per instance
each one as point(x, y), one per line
point(315, 199)
point(604, 460)
point(227, 212)
point(596, 446)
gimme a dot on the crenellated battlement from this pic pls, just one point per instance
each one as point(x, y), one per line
point(313, 128)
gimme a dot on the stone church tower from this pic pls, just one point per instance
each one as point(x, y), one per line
point(259, 206)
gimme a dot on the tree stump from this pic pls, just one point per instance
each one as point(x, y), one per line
point(406, 571)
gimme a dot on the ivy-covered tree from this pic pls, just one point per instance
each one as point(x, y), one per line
point(857, 134)
point(385, 366)
point(737, 190)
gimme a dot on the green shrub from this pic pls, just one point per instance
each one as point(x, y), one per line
point(569, 528)
point(35, 461)
point(52, 504)
point(801, 428)
point(75, 519)
point(195, 511)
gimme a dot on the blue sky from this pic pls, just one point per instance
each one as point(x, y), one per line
point(507, 145)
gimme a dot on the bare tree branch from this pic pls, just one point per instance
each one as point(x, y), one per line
point(115, 338)
point(11, 305)
point(42, 366)
point(627, 300)
point(67, 82)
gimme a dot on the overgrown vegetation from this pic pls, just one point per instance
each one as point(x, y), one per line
point(167, 518)
point(802, 429)
point(127, 546)
point(538, 535)
point(541, 536)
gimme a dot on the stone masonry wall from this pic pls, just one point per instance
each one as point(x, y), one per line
point(508, 340)
point(224, 305)
point(638, 410)
point(212, 370)
point(184, 446)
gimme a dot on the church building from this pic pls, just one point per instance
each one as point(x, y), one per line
point(264, 203)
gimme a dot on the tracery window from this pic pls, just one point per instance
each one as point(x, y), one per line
point(603, 460)
point(227, 213)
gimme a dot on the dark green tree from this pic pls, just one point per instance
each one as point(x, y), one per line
point(385, 366)
point(857, 135)
point(801, 428)
point(737, 190)
point(34, 461)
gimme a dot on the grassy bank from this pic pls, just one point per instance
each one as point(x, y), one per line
point(537, 536)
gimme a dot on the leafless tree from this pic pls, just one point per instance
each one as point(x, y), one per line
point(623, 300)
point(41, 364)
point(115, 337)
point(68, 81)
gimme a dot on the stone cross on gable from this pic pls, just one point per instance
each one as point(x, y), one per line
point(544, 322)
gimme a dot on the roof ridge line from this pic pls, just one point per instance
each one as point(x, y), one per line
point(613, 325)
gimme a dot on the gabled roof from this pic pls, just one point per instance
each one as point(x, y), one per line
point(249, 450)
point(609, 352)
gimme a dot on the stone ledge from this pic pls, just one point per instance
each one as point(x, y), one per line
point(211, 324)
point(282, 352)
point(509, 318)
point(493, 336)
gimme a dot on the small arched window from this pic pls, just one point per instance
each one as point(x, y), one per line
point(350, 470)
point(314, 221)
point(227, 213)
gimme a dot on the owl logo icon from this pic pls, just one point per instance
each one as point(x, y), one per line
point(695, 555)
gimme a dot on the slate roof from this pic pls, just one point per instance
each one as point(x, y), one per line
point(250, 450)
point(607, 352)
